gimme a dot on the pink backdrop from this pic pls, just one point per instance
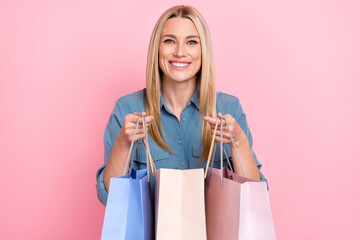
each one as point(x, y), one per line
point(293, 64)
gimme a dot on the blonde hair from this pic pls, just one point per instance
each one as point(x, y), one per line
point(205, 77)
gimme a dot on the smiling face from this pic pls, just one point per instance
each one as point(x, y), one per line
point(179, 50)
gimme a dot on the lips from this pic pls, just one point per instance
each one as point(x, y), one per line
point(179, 65)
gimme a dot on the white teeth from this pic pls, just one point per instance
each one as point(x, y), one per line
point(176, 64)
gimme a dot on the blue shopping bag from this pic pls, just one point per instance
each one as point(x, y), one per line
point(128, 213)
point(129, 207)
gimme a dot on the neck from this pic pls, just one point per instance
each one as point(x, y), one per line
point(177, 94)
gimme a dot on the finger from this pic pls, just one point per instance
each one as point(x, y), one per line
point(220, 115)
point(224, 127)
point(231, 122)
point(128, 125)
point(140, 127)
point(132, 118)
point(137, 114)
point(139, 136)
point(130, 132)
point(210, 120)
point(218, 134)
point(224, 130)
point(225, 141)
point(229, 118)
point(141, 115)
point(225, 135)
point(139, 131)
point(226, 116)
point(148, 119)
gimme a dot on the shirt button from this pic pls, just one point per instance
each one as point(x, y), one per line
point(184, 119)
point(180, 141)
point(182, 164)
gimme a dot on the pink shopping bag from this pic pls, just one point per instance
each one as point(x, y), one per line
point(236, 207)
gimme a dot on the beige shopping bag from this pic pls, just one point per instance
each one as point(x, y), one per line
point(179, 204)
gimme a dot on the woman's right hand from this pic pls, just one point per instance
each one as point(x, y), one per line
point(126, 133)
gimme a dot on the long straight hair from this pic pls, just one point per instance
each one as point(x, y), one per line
point(205, 77)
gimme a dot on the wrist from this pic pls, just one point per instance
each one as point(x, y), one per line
point(241, 141)
point(121, 142)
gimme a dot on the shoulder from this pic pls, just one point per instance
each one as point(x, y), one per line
point(131, 98)
point(226, 103)
point(222, 98)
point(133, 102)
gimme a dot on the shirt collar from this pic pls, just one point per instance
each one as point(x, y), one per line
point(194, 99)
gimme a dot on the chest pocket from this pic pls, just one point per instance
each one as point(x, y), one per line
point(195, 157)
point(160, 157)
point(197, 151)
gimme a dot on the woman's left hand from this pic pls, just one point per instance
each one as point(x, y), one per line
point(237, 133)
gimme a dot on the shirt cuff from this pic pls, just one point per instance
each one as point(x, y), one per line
point(262, 178)
point(100, 187)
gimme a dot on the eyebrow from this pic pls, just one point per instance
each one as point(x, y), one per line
point(173, 36)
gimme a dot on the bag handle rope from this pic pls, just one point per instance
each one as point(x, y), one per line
point(213, 158)
point(212, 150)
point(149, 160)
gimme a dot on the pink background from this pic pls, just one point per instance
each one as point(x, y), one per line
point(293, 64)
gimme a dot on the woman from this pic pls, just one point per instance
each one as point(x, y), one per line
point(180, 104)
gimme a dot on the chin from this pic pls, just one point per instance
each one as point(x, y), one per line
point(181, 79)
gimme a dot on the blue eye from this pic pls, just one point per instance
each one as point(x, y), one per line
point(192, 42)
point(169, 41)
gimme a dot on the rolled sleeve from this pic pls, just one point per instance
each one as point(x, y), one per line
point(100, 187)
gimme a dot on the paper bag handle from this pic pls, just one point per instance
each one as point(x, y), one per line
point(221, 154)
point(149, 160)
point(212, 149)
point(236, 151)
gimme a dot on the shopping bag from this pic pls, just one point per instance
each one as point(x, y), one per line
point(179, 204)
point(129, 208)
point(236, 207)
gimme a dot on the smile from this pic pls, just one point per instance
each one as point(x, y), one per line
point(179, 65)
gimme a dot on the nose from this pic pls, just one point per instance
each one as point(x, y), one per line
point(180, 51)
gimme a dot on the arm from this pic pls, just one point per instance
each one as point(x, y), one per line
point(117, 141)
point(243, 148)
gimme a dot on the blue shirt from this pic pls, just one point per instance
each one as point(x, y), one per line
point(183, 136)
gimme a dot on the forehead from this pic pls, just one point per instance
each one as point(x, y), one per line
point(179, 26)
